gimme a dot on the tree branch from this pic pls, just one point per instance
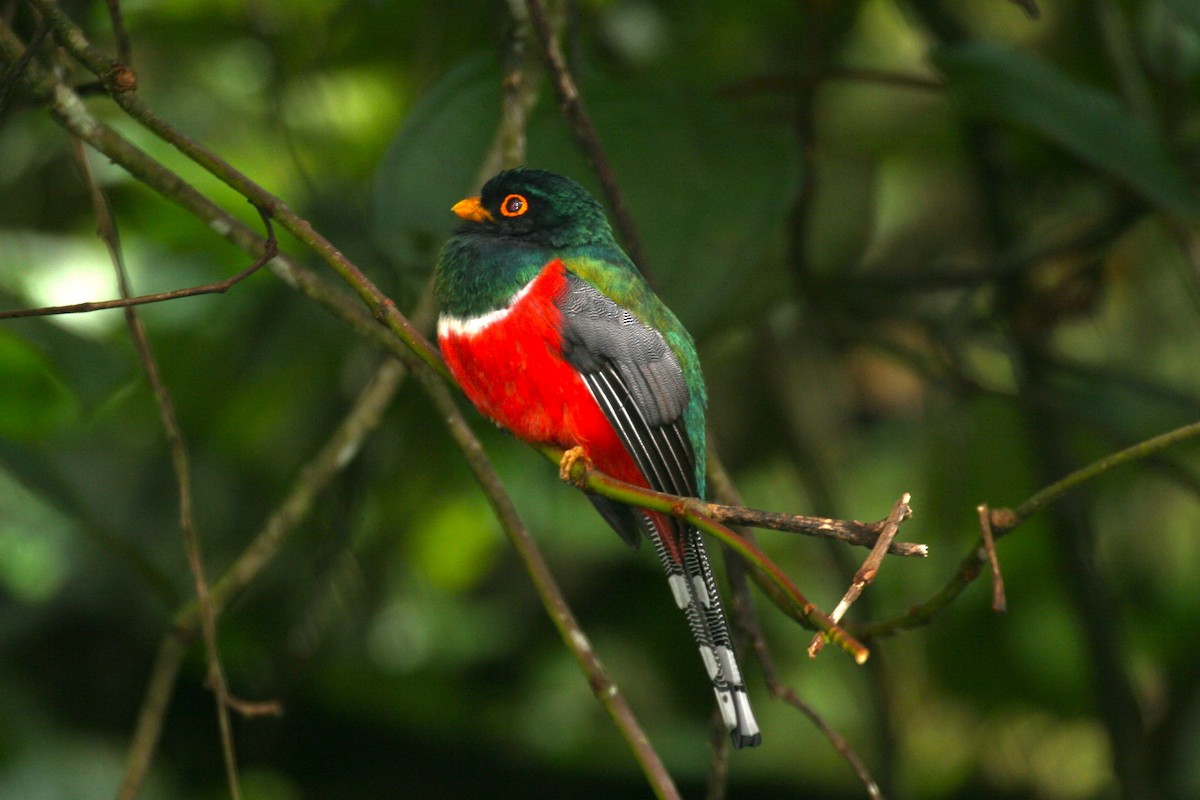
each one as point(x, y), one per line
point(774, 583)
point(1004, 521)
point(121, 85)
point(547, 588)
point(870, 568)
point(584, 131)
point(270, 250)
point(180, 462)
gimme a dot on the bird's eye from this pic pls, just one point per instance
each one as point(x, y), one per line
point(514, 205)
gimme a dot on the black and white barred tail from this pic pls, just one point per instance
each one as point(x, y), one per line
point(695, 592)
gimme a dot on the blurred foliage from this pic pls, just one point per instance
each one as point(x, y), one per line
point(925, 246)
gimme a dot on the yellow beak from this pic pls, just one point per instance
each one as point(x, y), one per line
point(472, 210)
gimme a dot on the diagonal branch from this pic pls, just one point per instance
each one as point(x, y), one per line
point(584, 131)
point(121, 83)
point(333, 457)
point(551, 596)
point(1005, 520)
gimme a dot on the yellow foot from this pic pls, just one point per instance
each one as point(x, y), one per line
point(567, 464)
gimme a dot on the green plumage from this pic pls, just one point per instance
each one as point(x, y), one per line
point(481, 269)
point(553, 333)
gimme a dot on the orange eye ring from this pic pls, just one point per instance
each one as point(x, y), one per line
point(514, 205)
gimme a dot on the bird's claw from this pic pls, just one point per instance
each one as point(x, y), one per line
point(567, 465)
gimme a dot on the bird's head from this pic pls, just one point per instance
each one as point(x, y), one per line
point(535, 206)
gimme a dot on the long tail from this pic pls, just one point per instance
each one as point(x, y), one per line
point(695, 590)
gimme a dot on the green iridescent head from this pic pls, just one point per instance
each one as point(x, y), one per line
point(537, 208)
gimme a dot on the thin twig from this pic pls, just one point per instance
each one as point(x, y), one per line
point(585, 132)
point(789, 696)
point(120, 35)
point(216, 287)
point(850, 531)
point(999, 601)
point(748, 622)
point(107, 229)
point(333, 457)
point(869, 569)
point(767, 575)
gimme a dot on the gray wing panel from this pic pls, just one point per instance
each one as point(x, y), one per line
point(637, 382)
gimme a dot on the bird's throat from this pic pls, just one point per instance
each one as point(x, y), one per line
point(471, 326)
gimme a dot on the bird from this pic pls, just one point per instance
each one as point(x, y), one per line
point(553, 333)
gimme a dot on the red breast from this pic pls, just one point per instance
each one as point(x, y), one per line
point(509, 364)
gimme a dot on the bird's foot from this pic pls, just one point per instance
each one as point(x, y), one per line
point(567, 465)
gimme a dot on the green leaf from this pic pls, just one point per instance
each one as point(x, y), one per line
point(34, 400)
point(991, 83)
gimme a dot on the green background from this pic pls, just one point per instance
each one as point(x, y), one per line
point(940, 248)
